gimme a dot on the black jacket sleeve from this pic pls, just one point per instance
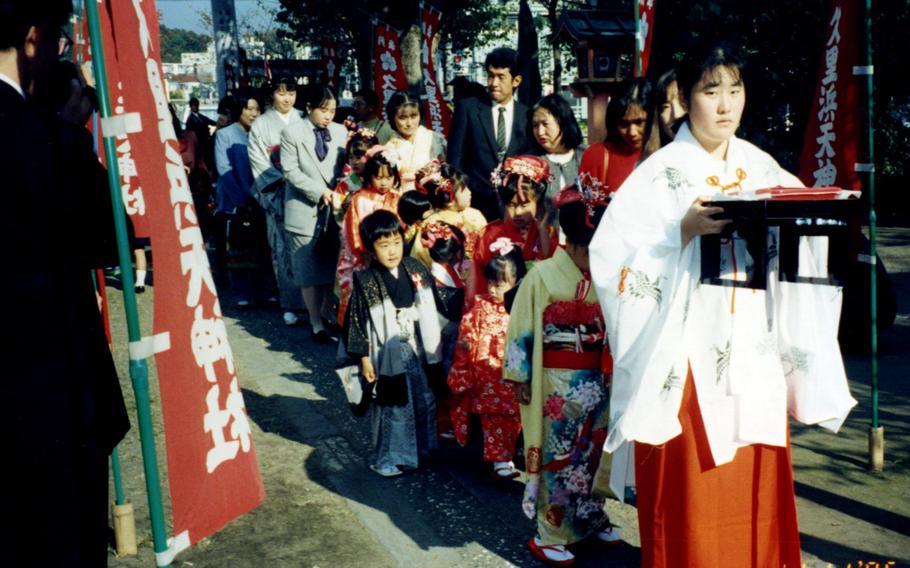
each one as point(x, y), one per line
point(458, 134)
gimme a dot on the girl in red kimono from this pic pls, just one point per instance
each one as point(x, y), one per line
point(476, 374)
point(382, 179)
point(520, 182)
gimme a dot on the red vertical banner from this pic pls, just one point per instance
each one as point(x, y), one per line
point(130, 188)
point(438, 115)
point(645, 33)
point(832, 140)
point(212, 467)
point(331, 65)
point(388, 73)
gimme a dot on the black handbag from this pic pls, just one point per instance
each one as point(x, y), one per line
point(328, 234)
point(245, 230)
point(437, 381)
point(392, 390)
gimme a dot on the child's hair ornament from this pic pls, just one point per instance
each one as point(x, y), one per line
point(432, 173)
point(535, 168)
point(502, 246)
point(586, 189)
point(355, 129)
point(386, 152)
point(437, 231)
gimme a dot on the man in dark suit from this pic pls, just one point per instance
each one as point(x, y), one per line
point(487, 129)
point(199, 123)
point(63, 411)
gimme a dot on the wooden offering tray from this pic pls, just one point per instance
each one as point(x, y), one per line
point(796, 212)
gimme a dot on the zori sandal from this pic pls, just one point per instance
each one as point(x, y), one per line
point(610, 535)
point(386, 470)
point(505, 470)
point(551, 554)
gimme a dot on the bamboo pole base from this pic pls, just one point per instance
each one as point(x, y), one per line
point(877, 448)
point(124, 529)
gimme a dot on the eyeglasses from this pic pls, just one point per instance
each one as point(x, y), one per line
point(64, 43)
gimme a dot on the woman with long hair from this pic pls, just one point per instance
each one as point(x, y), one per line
point(667, 116)
point(627, 118)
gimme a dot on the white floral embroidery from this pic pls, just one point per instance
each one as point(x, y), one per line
point(676, 179)
point(673, 380)
point(588, 395)
point(723, 360)
point(795, 360)
point(768, 345)
point(515, 357)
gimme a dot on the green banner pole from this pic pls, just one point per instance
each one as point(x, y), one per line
point(138, 367)
point(119, 497)
point(876, 431)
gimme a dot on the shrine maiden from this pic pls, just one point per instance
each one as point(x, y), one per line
point(705, 375)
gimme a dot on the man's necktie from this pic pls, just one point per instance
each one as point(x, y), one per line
point(501, 133)
point(322, 136)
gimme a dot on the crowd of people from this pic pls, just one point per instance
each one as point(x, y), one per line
point(507, 277)
point(514, 278)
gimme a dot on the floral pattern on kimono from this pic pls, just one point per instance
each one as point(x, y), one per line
point(353, 256)
point(476, 379)
point(555, 320)
point(346, 188)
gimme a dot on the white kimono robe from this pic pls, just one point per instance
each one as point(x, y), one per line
point(754, 354)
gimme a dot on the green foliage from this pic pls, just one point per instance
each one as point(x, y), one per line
point(480, 22)
point(175, 41)
point(467, 23)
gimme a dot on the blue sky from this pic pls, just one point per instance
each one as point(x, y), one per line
point(185, 13)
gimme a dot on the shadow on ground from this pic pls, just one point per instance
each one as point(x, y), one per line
point(449, 512)
point(452, 512)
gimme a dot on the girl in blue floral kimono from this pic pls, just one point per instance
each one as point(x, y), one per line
point(555, 355)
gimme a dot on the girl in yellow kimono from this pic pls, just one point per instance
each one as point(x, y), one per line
point(554, 354)
point(450, 197)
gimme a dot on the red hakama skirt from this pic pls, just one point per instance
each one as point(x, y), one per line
point(693, 513)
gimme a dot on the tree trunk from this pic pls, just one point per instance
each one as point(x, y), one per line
point(362, 41)
point(552, 16)
point(557, 69)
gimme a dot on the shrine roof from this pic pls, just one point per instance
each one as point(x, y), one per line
point(593, 25)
